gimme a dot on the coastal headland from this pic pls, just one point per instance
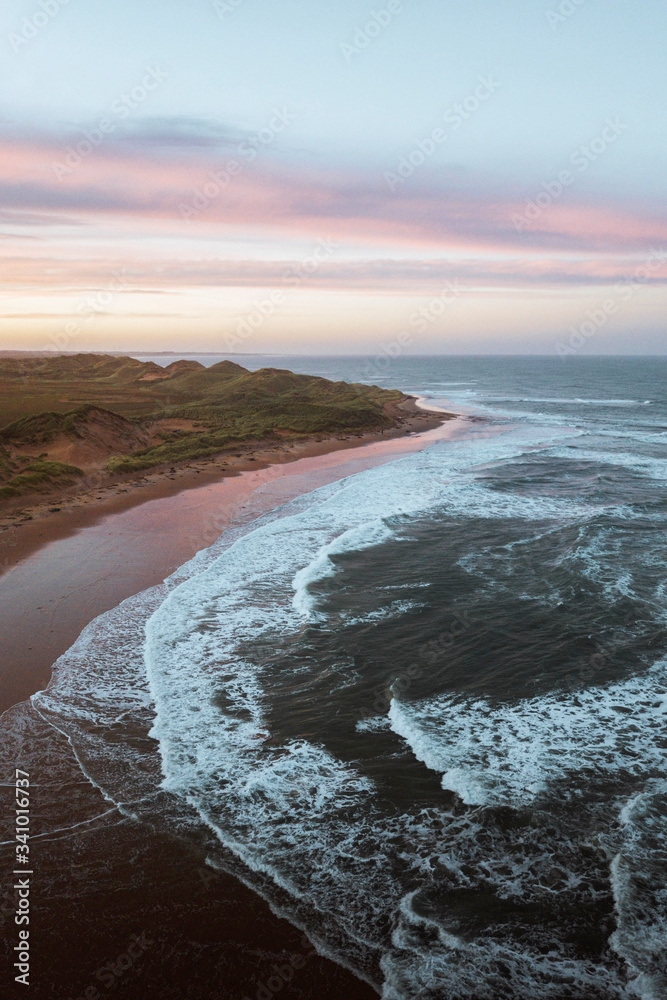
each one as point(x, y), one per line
point(85, 435)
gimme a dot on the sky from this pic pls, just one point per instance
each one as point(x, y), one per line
point(420, 176)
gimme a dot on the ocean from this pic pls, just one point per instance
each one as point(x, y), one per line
point(421, 710)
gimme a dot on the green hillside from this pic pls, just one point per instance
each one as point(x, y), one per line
point(124, 415)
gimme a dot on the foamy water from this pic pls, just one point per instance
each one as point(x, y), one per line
point(422, 710)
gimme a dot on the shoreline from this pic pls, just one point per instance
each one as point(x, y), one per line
point(63, 570)
point(87, 562)
point(25, 528)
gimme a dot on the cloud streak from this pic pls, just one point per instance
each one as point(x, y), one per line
point(389, 275)
point(121, 207)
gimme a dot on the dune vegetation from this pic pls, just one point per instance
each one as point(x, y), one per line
point(63, 415)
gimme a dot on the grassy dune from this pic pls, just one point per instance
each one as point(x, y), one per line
point(39, 477)
point(63, 415)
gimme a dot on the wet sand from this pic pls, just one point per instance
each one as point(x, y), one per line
point(112, 881)
point(64, 570)
point(27, 525)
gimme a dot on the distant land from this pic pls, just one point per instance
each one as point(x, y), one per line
point(123, 354)
point(199, 354)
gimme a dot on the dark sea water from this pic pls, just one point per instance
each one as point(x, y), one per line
point(423, 710)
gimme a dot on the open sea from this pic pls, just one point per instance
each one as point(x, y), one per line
point(421, 710)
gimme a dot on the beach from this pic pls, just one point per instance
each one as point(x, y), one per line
point(28, 524)
point(63, 568)
point(67, 570)
point(375, 711)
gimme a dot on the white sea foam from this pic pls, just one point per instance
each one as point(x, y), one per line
point(386, 613)
point(291, 811)
point(429, 963)
point(654, 467)
point(567, 400)
point(512, 754)
point(261, 585)
point(600, 556)
point(376, 724)
point(313, 827)
point(639, 882)
point(322, 566)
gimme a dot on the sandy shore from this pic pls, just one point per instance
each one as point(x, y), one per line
point(65, 569)
point(27, 526)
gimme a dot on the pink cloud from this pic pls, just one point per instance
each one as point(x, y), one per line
point(186, 194)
